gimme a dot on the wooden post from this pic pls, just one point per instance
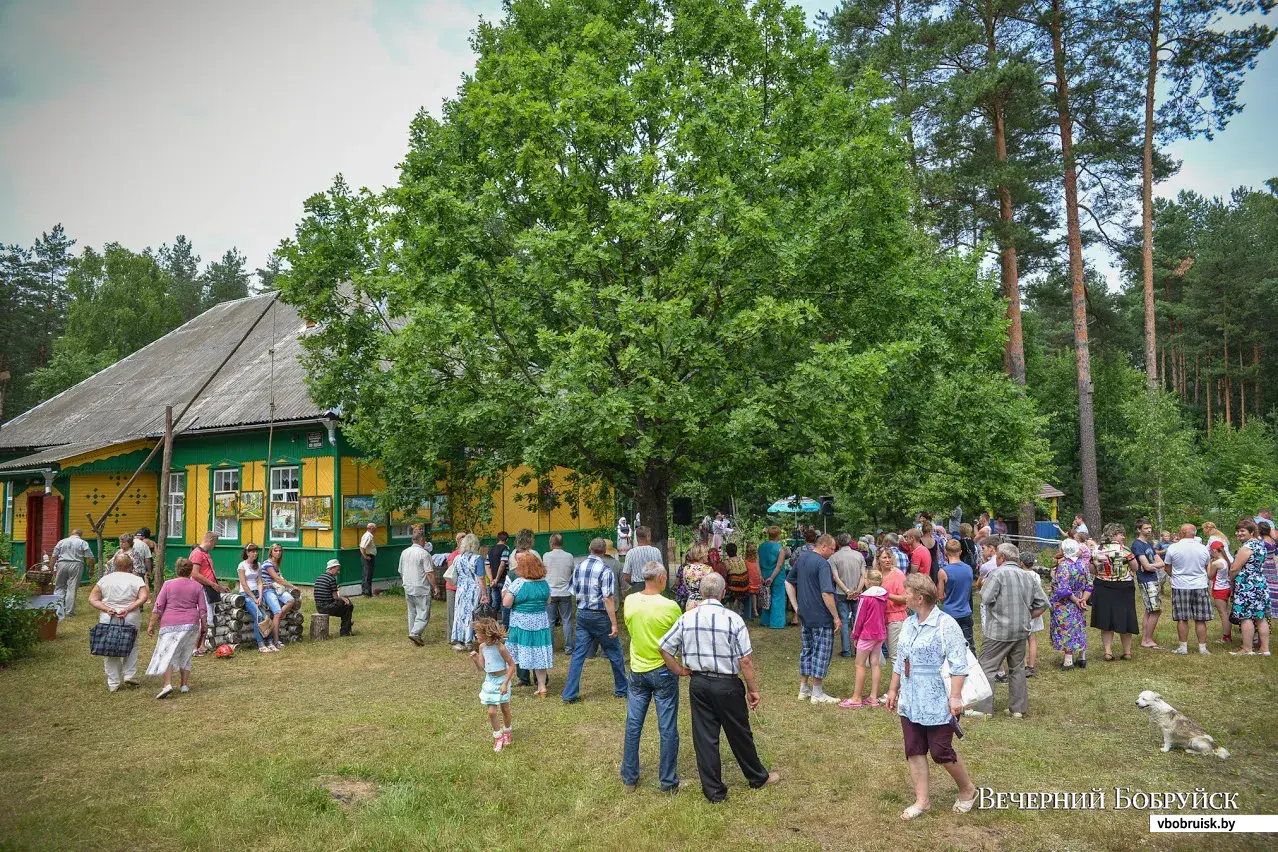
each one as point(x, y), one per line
point(166, 464)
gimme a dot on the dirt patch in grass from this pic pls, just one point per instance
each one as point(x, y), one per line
point(348, 792)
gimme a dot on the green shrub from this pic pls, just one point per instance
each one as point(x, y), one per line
point(17, 623)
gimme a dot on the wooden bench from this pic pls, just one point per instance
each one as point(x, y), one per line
point(319, 626)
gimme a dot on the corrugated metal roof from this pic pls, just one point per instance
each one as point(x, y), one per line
point(127, 399)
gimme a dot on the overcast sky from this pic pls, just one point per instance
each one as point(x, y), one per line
point(136, 120)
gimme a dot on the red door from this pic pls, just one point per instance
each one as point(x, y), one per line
point(35, 527)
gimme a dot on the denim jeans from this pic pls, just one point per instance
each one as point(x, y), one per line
point(562, 607)
point(593, 628)
point(846, 614)
point(662, 685)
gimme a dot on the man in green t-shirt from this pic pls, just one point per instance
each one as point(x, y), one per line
point(649, 615)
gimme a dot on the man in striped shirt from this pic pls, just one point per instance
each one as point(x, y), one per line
point(638, 558)
point(595, 588)
point(715, 646)
point(328, 601)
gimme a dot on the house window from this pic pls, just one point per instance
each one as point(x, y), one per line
point(285, 485)
point(226, 482)
point(177, 505)
point(8, 508)
point(401, 529)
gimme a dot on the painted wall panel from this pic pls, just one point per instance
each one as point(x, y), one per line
point(92, 493)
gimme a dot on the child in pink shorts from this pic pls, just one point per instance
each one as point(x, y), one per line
point(869, 632)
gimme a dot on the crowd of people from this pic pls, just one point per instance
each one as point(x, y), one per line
point(902, 601)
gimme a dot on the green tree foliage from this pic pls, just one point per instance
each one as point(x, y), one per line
point(226, 279)
point(648, 241)
point(183, 266)
point(120, 300)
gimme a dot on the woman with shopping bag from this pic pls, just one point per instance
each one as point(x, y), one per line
point(119, 596)
point(931, 646)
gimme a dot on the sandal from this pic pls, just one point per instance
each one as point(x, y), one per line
point(1126, 657)
point(873, 703)
point(962, 807)
point(851, 705)
point(1109, 658)
point(912, 812)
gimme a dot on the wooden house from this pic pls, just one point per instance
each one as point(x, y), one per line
point(254, 459)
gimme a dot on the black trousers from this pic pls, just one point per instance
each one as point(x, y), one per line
point(720, 703)
point(965, 624)
point(368, 575)
point(344, 611)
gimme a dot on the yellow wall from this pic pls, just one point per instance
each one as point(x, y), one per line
point(91, 493)
point(360, 478)
point(317, 481)
point(198, 485)
point(512, 512)
point(19, 514)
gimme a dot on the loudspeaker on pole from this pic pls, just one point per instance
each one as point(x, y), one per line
point(682, 507)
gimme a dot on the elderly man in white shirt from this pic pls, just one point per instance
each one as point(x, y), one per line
point(417, 570)
point(1186, 564)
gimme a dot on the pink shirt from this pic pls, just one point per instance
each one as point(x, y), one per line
point(871, 615)
point(894, 584)
point(203, 563)
point(181, 601)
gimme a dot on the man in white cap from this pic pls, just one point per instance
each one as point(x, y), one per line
point(327, 599)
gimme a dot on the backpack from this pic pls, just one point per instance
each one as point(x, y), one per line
point(738, 576)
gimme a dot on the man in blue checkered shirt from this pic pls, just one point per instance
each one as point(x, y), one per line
point(595, 587)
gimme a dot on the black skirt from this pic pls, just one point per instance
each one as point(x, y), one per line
point(1113, 606)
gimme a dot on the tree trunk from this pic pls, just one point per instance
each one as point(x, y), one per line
point(1255, 385)
point(1228, 386)
point(652, 501)
point(1147, 196)
point(1210, 394)
point(1242, 391)
point(1074, 232)
point(1198, 376)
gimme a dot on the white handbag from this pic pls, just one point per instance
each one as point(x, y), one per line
point(976, 686)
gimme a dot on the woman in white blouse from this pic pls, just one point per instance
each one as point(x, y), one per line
point(120, 594)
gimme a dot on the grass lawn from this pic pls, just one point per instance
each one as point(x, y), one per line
point(239, 762)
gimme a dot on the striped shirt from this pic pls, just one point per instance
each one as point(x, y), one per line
point(325, 591)
point(592, 581)
point(711, 639)
point(638, 557)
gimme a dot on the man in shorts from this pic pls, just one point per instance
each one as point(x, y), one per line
point(1149, 579)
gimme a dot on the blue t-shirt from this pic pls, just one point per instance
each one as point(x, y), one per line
point(1144, 548)
point(811, 577)
point(958, 590)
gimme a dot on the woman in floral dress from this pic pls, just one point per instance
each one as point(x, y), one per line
point(693, 573)
point(1071, 587)
point(1251, 592)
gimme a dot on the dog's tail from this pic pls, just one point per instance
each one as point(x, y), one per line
point(1220, 752)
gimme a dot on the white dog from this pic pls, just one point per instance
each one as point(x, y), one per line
point(1179, 731)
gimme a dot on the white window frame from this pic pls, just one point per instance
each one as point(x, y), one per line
point(177, 504)
point(8, 508)
point(226, 528)
point(285, 490)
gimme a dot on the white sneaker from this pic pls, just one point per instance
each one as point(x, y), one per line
point(165, 693)
point(974, 714)
point(184, 689)
point(824, 699)
point(1203, 650)
point(804, 696)
point(1181, 651)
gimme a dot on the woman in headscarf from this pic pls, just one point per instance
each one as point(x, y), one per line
point(1071, 587)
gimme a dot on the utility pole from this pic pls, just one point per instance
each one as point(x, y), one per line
point(166, 464)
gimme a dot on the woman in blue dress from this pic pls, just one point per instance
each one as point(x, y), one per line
point(471, 588)
point(773, 568)
point(928, 712)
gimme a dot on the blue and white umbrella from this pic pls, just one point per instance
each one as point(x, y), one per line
point(795, 505)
